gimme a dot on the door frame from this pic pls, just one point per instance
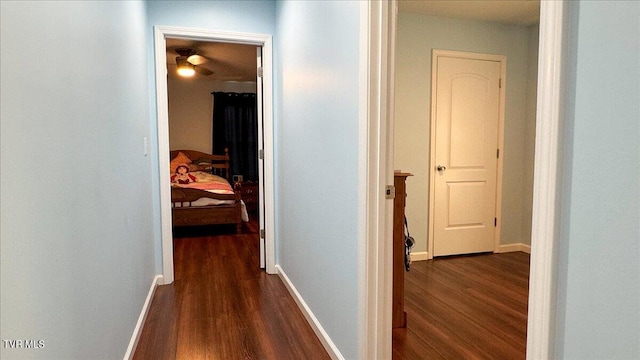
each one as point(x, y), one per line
point(377, 48)
point(261, 222)
point(161, 33)
point(432, 150)
point(543, 274)
point(375, 215)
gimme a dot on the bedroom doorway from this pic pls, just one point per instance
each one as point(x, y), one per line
point(217, 109)
point(262, 60)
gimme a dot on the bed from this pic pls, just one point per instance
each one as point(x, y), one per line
point(209, 199)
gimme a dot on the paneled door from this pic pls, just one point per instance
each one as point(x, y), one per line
point(465, 164)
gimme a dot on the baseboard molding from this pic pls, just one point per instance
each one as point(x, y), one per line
point(419, 256)
point(133, 343)
point(515, 247)
point(424, 255)
point(326, 341)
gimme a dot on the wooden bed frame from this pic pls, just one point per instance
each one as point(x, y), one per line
point(207, 215)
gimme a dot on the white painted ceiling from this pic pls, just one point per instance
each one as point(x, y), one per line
point(229, 62)
point(520, 12)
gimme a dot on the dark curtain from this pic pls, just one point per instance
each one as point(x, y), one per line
point(235, 126)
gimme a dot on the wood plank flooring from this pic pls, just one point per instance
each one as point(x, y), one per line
point(465, 307)
point(221, 306)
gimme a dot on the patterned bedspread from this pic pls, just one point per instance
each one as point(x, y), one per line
point(211, 183)
point(208, 182)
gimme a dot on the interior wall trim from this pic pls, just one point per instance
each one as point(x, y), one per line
point(375, 212)
point(514, 247)
point(322, 335)
point(420, 256)
point(543, 278)
point(137, 331)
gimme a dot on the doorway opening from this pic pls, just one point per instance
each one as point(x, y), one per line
point(543, 226)
point(213, 109)
point(168, 37)
point(461, 135)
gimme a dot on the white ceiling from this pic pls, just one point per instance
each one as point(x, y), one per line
point(520, 12)
point(229, 62)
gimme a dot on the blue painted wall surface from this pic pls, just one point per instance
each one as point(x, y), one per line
point(77, 230)
point(599, 284)
point(317, 141)
point(255, 16)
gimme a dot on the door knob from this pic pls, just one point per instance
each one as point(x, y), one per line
point(441, 168)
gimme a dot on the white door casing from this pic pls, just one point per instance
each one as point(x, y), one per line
point(260, 156)
point(466, 135)
point(377, 43)
point(161, 33)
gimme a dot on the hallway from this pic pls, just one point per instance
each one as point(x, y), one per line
point(222, 306)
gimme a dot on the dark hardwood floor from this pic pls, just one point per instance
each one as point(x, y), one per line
point(222, 306)
point(465, 307)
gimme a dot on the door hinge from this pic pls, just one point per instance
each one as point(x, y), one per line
point(260, 72)
point(261, 154)
point(262, 234)
point(498, 153)
point(390, 192)
point(495, 222)
point(500, 83)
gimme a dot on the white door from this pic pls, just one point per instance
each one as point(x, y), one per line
point(259, 111)
point(467, 111)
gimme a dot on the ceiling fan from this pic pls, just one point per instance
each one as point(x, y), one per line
point(188, 62)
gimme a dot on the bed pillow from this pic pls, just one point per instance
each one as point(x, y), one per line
point(180, 159)
point(195, 167)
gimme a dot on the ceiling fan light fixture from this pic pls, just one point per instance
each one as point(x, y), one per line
point(184, 68)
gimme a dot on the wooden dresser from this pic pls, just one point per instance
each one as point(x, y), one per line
point(399, 316)
point(250, 195)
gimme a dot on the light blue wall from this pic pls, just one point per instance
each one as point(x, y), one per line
point(599, 285)
point(255, 16)
point(234, 16)
point(77, 230)
point(317, 141)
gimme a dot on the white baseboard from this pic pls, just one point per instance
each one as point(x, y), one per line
point(424, 255)
point(133, 343)
point(326, 341)
point(419, 255)
point(515, 247)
